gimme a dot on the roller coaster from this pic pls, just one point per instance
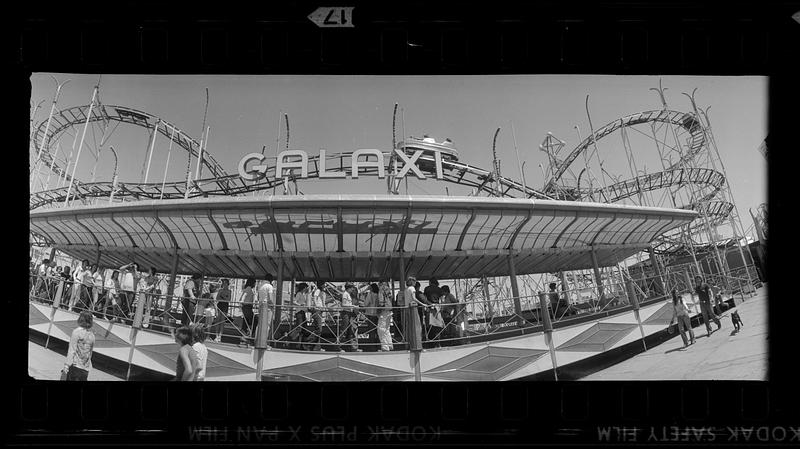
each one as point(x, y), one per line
point(692, 175)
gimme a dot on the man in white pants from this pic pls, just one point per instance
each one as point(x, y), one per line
point(266, 294)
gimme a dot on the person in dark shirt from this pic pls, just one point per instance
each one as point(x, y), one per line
point(704, 296)
point(556, 305)
point(433, 294)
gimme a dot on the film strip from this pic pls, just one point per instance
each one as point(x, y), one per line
point(412, 39)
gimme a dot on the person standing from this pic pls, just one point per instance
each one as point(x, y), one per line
point(223, 299)
point(384, 310)
point(128, 281)
point(266, 294)
point(77, 281)
point(97, 290)
point(187, 363)
point(348, 315)
point(148, 286)
point(371, 311)
point(81, 345)
point(316, 307)
point(449, 312)
point(247, 300)
point(412, 302)
point(87, 286)
point(704, 298)
point(681, 314)
point(432, 293)
point(189, 299)
point(200, 349)
point(422, 310)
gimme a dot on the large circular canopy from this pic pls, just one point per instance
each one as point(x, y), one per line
point(355, 237)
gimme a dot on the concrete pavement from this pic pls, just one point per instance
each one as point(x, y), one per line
point(725, 355)
point(44, 364)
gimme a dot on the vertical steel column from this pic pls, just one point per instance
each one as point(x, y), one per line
point(512, 270)
point(487, 302)
point(80, 147)
point(548, 331)
point(657, 268)
point(635, 302)
point(564, 286)
point(597, 277)
point(276, 319)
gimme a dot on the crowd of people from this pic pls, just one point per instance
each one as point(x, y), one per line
point(319, 315)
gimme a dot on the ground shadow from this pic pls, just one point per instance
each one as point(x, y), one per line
point(681, 348)
point(734, 332)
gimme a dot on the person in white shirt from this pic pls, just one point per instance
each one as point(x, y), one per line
point(81, 345)
point(316, 307)
point(189, 299)
point(681, 313)
point(266, 296)
point(199, 347)
point(384, 309)
point(412, 320)
point(128, 281)
point(111, 295)
point(77, 279)
point(97, 286)
point(348, 325)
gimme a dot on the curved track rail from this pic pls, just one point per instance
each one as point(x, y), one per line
point(454, 172)
point(76, 116)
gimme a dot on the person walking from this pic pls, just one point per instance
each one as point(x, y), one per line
point(79, 353)
point(681, 313)
point(704, 298)
point(187, 363)
point(384, 310)
point(200, 349)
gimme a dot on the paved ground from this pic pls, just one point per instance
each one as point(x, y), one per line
point(724, 355)
point(44, 364)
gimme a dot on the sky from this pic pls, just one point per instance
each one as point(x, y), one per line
point(344, 113)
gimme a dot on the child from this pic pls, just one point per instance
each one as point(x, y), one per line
point(737, 320)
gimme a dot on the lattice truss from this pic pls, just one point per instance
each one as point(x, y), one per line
point(670, 160)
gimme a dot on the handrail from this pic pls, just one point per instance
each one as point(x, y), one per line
point(335, 327)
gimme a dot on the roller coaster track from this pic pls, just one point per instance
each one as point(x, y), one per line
point(685, 120)
point(76, 116)
point(662, 180)
point(453, 172)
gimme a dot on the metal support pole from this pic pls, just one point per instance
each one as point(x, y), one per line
point(46, 130)
point(166, 167)
point(488, 303)
point(548, 331)
point(276, 319)
point(150, 152)
point(173, 277)
point(512, 270)
point(657, 268)
point(635, 302)
point(80, 147)
point(597, 276)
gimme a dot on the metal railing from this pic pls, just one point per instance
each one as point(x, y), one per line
point(337, 328)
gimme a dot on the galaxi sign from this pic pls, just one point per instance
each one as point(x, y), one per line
point(252, 166)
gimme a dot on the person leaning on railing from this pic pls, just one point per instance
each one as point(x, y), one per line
point(384, 310)
point(450, 307)
point(315, 307)
point(223, 299)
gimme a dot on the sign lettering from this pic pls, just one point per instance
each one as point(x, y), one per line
point(253, 168)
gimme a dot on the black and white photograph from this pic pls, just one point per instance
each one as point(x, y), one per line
point(327, 228)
